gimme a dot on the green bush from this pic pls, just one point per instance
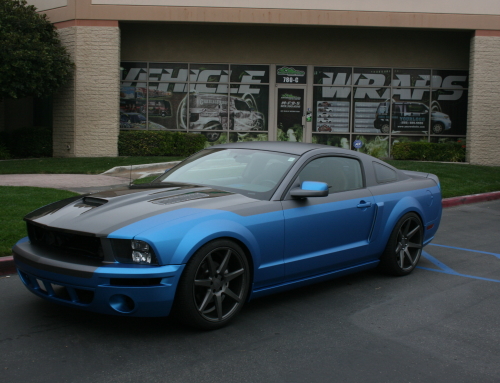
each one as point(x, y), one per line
point(29, 142)
point(4, 152)
point(429, 151)
point(159, 143)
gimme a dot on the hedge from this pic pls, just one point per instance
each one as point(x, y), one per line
point(429, 151)
point(159, 143)
point(28, 142)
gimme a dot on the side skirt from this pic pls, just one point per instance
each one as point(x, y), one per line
point(310, 280)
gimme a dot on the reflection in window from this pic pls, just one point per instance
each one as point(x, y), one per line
point(339, 173)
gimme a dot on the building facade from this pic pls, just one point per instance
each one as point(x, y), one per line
point(351, 74)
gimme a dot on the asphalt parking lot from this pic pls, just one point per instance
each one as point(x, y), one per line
point(440, 324)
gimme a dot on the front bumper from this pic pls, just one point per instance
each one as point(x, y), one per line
point(117, 289)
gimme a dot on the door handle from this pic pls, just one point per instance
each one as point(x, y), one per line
point(363, 204)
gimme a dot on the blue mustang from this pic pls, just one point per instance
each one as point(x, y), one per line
point(231, 223)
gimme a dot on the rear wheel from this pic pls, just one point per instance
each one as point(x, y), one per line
point(213, 286)
point(404, 248)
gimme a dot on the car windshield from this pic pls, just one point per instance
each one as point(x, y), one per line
point(253, 173)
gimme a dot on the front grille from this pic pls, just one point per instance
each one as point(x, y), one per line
point(76, 244)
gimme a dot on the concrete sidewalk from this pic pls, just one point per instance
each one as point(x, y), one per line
point(116, 177)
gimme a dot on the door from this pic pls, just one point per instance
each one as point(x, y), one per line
point(328, 233)
point(290, 114)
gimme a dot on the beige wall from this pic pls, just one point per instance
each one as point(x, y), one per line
point(86, 119)
point(478, 7)
point(43, 5)
point(368, 15)
point(294, 45)
point(483, 134)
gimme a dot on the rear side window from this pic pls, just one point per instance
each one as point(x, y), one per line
point(384, 173)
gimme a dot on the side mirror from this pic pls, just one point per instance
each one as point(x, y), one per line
point(310, 189)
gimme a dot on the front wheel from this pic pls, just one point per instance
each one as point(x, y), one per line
point(213, 286)
point(404, 248)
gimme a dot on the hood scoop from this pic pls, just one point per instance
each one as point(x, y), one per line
point(179, 198)
point(91, 202)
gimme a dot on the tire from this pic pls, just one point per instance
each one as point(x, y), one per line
point(438, 128)
point(385, 128)
point(212, 136)
point(404, 248)
point(214, 286)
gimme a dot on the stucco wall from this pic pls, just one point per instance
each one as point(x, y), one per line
point(86, 109)
point(483, 134)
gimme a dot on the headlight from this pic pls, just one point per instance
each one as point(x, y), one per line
point(141, 252)
point(133, 251)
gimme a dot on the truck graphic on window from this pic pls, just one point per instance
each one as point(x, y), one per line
point(410, 116)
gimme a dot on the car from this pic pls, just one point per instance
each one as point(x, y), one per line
point(229, 224)
point(410, 116)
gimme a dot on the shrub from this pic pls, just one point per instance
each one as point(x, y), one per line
point(4, 153)
point(159, 143)
point(429, 151)
point(29, 142)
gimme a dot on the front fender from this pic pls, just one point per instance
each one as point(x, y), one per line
point(204, 232)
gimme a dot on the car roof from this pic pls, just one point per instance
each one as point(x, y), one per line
point(297, 148)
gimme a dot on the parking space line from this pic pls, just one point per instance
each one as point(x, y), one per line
point(448, 270)
point(461, 248)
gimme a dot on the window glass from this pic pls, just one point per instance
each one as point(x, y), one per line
point(384, 174)
point(411, 77)
point(372, 77)
point(451, 79)
point(134, 72)
point(366, 103)
point(249, 106)
point(249, 172)
point(251, 74)
point(172, 72)
point(332, 107)
point(339, 173)
point(209, 73)
point(337, 76)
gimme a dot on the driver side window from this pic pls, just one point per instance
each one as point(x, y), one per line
point(339, 173)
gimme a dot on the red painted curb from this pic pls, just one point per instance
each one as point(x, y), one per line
point(466, 199)
point(7, 266)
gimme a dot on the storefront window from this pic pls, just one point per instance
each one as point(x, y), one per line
point(449, 112)
point(409, 116)
point(332, 109)
point(369, 103)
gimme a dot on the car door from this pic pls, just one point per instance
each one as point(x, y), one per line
point(332, 232)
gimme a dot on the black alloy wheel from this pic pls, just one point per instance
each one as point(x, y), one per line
point(404, 248)
point(214, 285)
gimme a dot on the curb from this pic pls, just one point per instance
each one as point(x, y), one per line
point(8, 267)
point(466, 199)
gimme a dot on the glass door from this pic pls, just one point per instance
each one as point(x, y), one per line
point(290, 114)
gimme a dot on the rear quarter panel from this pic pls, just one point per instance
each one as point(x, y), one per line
point(393, 200)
